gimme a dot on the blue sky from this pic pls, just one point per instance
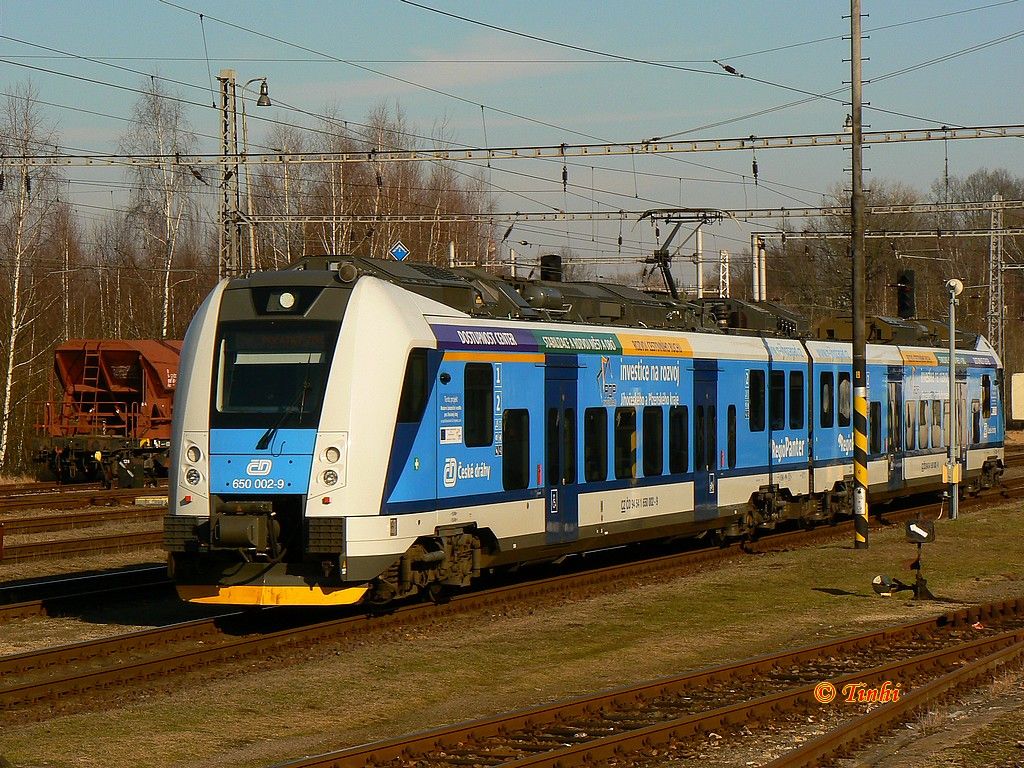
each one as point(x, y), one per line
point(583, 97)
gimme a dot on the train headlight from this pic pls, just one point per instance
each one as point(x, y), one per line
point(193, 454)
point(192, 476)
point(286, 300)
point(331, 455)
point(330, 477)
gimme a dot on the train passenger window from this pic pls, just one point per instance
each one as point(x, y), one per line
point(414, 388)
point(826, 398)
point(568, 446)
point(796, 399)
point(986, 397)
point(552, 468)
point(777, 400)
point(654, 430)
point(894, 428)
point(595, 445)
point(679, 439)
point(755, 395)
point(515, 459)
point(945, 422)
point(732, 436)
point(894, 441)
point(936, 423)
point(625, 443)
point(699, 455)
point(875, 427)
point(712, 439)
point(975, 421)
point(845, 407)
point(961, 421)
point(479, 398)
point(911, 424)
point(922, 424)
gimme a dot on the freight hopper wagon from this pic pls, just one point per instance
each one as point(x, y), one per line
point(357, 430)
point(113, 421)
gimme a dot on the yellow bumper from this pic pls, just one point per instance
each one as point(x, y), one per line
point(270, 595)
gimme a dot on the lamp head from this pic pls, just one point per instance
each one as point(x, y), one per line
point(955, 287)
point(264, 99)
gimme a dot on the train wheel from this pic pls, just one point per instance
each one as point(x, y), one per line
point(66, 470)
point(437, 594)
point(750, 526)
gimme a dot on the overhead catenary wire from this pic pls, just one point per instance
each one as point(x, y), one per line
point(566, 188)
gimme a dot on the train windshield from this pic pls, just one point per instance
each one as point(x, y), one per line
point(272, 373)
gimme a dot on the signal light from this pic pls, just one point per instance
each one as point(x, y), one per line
point(906, 304)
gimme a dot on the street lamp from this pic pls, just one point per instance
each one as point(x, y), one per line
point(262, 101)
point(955, 288)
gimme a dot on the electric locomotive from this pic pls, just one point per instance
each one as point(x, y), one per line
point(357, 430)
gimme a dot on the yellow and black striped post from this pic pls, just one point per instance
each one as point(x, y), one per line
point(860, 466)
point(860, 377)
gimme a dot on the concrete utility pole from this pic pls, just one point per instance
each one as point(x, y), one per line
point(860, 380)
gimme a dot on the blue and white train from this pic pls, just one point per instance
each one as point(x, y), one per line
point(354, 430)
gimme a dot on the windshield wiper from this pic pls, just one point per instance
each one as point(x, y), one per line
point(263, 442)
point(298, 405)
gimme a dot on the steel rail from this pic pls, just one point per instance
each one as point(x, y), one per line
point(21, 526)
point(30, 487)
point(76, 498)
point(87, 545)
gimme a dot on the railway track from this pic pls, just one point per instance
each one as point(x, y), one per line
point(86, 545)
point(44, 597)
point(75, 498)
point(30, 487)
point(669, 719)
point(20, 526)
point(81, 673)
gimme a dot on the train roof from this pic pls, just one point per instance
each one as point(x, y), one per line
point(482, 294)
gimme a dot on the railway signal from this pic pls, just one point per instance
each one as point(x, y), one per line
point(906, 303)
point(917, 532)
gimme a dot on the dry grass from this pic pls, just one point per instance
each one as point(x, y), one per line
point(258, 713)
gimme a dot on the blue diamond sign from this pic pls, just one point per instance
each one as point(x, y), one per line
point(398, 251)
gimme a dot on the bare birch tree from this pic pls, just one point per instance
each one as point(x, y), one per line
point(162, 205)
point(27, 204)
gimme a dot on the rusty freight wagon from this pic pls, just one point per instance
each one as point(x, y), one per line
point(113, 421)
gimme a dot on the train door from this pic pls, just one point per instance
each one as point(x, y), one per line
point(705, 439)
point(560, 472)
point(787, 430)
point(894, 441)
